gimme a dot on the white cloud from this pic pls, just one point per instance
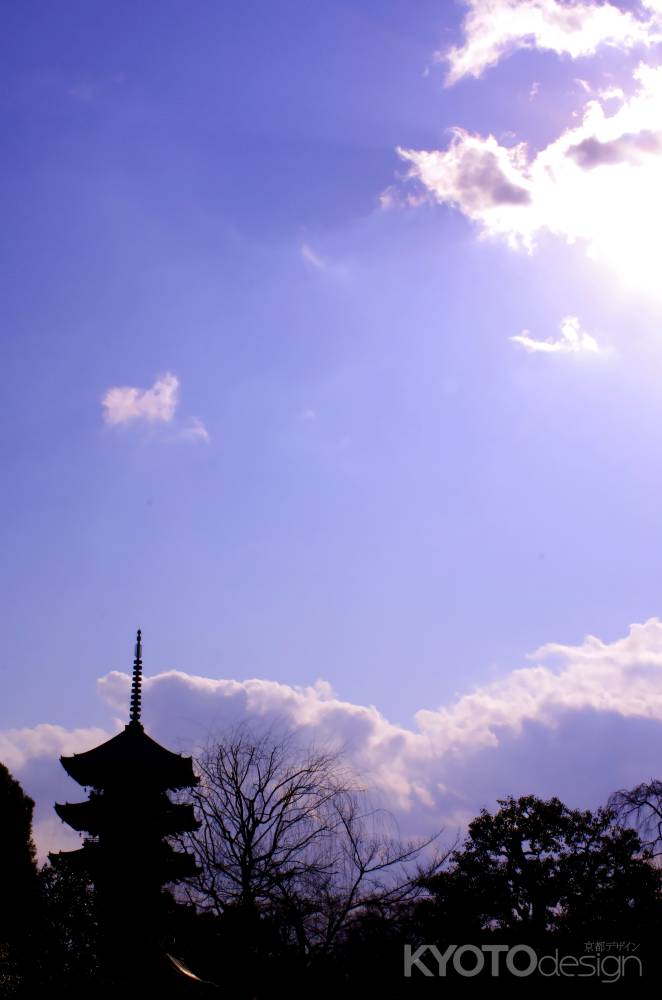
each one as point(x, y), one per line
point(598, 183)
point(623, 677)
point(157, 405)
point(573, 339)
point(579, 722)
point(495, 28)
point(124, 404)
point(17, 746)
point(611, 93)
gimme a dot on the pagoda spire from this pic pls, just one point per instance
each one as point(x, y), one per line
point(136, 686)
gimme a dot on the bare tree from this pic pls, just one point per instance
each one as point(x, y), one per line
point(641, 808)
point(288, 831)
point(372, 869)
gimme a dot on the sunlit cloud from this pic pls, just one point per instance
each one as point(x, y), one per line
point(572, 340)
point(495, 28)
point(126, 404)
point(598, 183)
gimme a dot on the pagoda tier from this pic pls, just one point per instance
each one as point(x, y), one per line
point(100, 813)
point(118, 865)
point(130, 758)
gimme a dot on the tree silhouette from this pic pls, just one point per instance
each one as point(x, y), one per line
point(641, 808)
point(537, 866)
point(18, 882)
point(69, 938)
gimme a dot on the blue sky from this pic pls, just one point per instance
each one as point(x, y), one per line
point(261, 395)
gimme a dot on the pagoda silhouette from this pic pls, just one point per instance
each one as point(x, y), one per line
point(125, 854)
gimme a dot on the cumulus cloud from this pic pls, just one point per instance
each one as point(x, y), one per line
point(479, 176)
point(550, 728)
point(125, 404)
point(495, 28)
point(597, 183)
point(157, 405)
point(623, 677)
point(572, 339)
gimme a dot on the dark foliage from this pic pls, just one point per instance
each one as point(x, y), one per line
point(18, 884)
point(537, 866)
point(302, 889)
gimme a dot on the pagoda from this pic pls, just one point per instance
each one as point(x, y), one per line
point(126, 819)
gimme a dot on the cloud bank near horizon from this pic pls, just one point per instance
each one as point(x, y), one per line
point(547, 728)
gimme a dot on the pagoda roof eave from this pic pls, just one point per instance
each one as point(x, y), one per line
point(129, 757)
point(91, 816)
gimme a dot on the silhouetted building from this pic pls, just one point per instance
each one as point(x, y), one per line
point(126, 819)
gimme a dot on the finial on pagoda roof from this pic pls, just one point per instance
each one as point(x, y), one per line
point(136, 686)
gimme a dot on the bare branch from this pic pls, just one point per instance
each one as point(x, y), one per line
point(288, 831)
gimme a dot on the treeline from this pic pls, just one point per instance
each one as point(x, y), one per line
point(302, 887)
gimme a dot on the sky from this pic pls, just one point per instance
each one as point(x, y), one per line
point(331, 342)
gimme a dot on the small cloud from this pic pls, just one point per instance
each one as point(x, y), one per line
point(534, 91)
point(584, 84)
point(388, 198)
point(311, 257)
point(195, 431)
point(611, 94)
point(308, 416)
point(572, 340)
point(332, 267)
point(126, 404)
point(392, 198)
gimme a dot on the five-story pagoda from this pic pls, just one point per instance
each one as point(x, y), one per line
point(127, 818)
